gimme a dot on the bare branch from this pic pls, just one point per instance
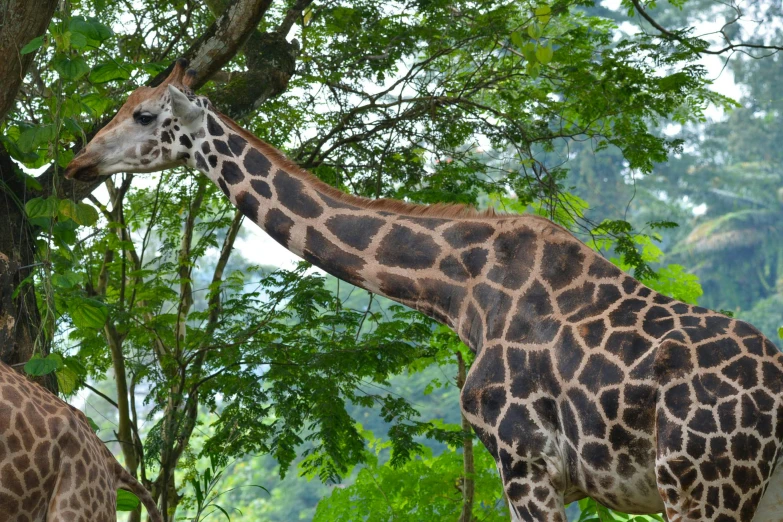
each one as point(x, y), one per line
point(221, 41)
point(291, 16)
point(677, 36)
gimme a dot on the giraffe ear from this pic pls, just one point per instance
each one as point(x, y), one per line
point(182, 107)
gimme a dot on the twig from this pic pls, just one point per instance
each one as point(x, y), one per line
point(684, 41)
point(102, 395)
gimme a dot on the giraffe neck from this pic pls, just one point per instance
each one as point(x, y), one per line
point(430, 258)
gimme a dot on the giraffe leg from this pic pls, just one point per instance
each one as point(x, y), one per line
point(533, 497)
point(535, 502)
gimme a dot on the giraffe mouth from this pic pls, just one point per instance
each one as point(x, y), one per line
point(82, 173)
point(81, 169)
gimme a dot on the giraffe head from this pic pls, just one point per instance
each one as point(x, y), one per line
point(142, 136)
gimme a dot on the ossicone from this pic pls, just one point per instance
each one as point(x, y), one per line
point(190, 78)
point(178, 74)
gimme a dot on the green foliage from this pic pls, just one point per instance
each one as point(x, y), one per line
point(427, 487)
point(204, 487)
point(671, 280)
point(126, 501)
point(38, 366)
point(87, 313)
point(592, 511)
point(675, 282)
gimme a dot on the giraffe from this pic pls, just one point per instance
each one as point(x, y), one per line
point(53, 468)
point(585, 383)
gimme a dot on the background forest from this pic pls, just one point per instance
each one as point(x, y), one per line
point(237, 383)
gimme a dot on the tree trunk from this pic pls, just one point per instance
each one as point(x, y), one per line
point(19, 317)
point(468, 483)
point(20, 22)
point(7, 312)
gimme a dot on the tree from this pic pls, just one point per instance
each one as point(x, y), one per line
point(19, 21)
point(429, 101)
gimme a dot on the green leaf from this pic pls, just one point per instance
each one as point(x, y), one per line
point(92, 29)
point(14, 150)
point(57, 358)
point(33, 137)
point(533, 69)
point(127, 501)
point(65, 232)
point(94, 426)
point(96, 103)
point(516, 39)
point(64, 158)
point(63, 40)
point(66, 380)
point(70, 68)
point(222, 511)
point(780, 332)
point(38, 365)
point(544, 54)
point(67, 209)
point(197, 489)
point(76, 365)
point(32, 46)
point(543, 13)
point(529, 50)
point(534, 31)
point(88, 313)
point(65, 281)
point(81, 213)
point(78, 41)
point(110, 71)
point(73, 126)
point(543, 10)
point(31, 182)
point(86, 214)
point(40, 207)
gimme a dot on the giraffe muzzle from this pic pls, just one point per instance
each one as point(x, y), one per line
point(81, 168)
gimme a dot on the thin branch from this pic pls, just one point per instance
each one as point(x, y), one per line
point(291, 16)
point(701, 50)
point(185, 263)
point(101, 395)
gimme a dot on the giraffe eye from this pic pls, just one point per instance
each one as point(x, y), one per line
point(144, 118)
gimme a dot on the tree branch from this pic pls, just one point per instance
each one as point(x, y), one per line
point(295, 12)
point(185, 264)
point(221, 41)
point(468, 481)
point(671, 35)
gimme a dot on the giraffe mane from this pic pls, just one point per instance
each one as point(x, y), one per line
point(443, 210)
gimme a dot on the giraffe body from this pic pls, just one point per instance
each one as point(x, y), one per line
point(53, 468)
point(586, 382)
